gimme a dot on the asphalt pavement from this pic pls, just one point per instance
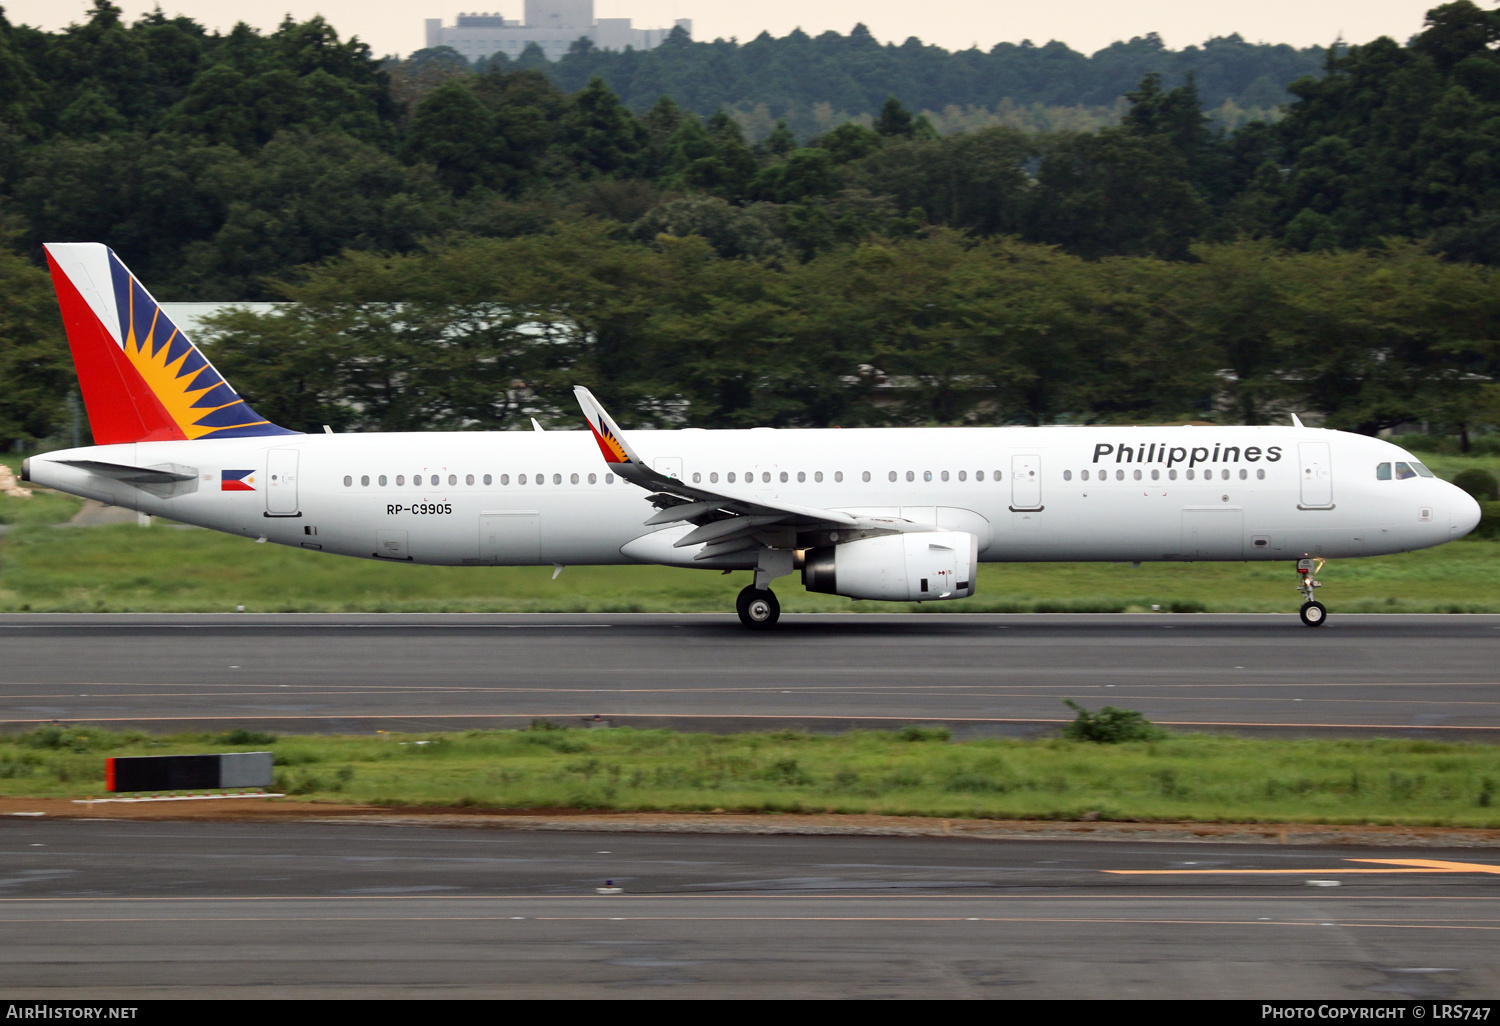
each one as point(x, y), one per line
point(133, 910)
point(1409, 675)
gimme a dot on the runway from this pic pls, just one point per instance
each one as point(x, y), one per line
point(147, 910)
point(1412, 675)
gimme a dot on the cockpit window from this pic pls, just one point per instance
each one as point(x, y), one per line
point(1404, 472)
point(1382, 472)
point(1420, 469)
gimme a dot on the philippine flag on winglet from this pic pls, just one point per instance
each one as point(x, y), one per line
point(237, 481)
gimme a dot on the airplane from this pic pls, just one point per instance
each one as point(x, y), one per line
point(890, 514)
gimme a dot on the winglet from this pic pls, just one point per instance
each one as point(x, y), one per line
point(606, 432)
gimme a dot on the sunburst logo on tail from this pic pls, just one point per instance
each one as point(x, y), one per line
point(200, 402)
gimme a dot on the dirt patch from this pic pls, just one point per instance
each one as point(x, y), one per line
point(284, 810)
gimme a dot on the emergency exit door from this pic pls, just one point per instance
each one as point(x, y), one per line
point(1025, 483)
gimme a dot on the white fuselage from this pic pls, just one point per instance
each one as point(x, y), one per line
point(1029, 494)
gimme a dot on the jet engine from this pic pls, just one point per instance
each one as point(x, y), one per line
point(916, 567)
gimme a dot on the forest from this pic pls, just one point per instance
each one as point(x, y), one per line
point(460, 244)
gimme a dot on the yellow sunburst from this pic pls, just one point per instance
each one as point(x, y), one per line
point(151, 362)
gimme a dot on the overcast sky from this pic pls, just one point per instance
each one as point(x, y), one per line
point(395, 26)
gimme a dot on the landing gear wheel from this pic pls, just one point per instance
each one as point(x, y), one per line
point(1314, 614)
point(758, 608)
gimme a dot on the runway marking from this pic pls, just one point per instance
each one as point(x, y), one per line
point(1097, 921)
point(284, 691)
point(1410, 866)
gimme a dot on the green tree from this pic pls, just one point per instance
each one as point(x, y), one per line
point(599, 134)
point(34, 362)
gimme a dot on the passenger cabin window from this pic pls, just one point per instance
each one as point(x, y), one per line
point(979, 475)
point(348, 481)
point(468, 479)
point(1404, 472)
point(1083, 475)
point(963, 475)
point(1382, 471)
point(365, 481)
point(609, 479)
point(382, 480)
point(801, 476)
point(714, 478)
point(838, 475)
point(1067, 475)
point(911, 475)
point(866, 475)
point(504, 479)
point(400, 480)
point(1260, 475)
point(520, 479)
point(784, 477)
point(593, 479)
point(573, 479)
point(730, 477)
point(1156, 475)
point(893, 475)
point(488, 479)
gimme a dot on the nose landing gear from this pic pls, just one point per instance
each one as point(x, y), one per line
point(758, 608)
point(1313, 613)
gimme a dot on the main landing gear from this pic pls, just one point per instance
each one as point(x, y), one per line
point(758, 608)
point(1314, 613)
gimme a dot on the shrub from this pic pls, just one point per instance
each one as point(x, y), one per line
point(241, 736)
point(1479, 483)
point(1110, 726)
point(916, 733)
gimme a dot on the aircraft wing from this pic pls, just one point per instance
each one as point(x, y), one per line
point(725, 519)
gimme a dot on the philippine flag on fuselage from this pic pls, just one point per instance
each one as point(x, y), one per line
point(237, 481)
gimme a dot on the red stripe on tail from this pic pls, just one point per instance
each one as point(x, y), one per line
point(120, 405)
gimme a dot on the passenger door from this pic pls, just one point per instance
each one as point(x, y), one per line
point(1317, 475)
point(281, 483)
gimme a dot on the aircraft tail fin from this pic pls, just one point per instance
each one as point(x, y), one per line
point(142, 379)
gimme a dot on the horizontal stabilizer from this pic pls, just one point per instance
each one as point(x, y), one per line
point(134, 475)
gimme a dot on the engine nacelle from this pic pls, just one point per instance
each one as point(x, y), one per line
point(918, 567)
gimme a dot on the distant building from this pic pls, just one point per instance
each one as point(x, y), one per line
point(554, 25)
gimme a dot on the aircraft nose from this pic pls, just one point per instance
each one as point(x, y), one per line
point(1466, 513)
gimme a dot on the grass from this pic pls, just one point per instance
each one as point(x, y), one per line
point(161, 569)
point(912, 772)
